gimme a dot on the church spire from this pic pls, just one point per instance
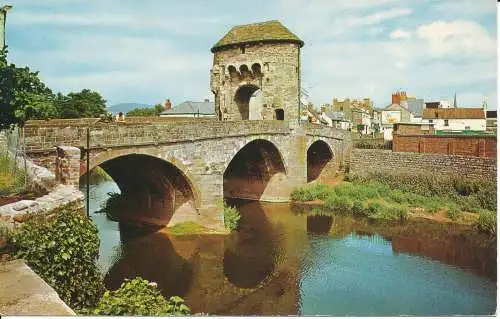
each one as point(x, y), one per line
point(455, 100)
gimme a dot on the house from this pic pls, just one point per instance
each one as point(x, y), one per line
point(334, 119)
point(416, 107)
point(456, 119)
point(491, 121)
point(361, 120)
point(190, 109)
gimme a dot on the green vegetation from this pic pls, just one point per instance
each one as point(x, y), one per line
point(187, 228)
point(390, 197)
point(472, 196)
point(97, 175)
point(63, 249)
point(110, 205)
point(147, 111)
point(138, 297)
point(24, 96)
point(487, 222)
point(231, 217)
point(12, 180)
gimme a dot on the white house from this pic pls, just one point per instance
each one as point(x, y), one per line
point(456, 119)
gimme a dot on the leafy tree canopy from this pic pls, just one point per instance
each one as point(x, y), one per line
point(147, 111)
point(24, 96)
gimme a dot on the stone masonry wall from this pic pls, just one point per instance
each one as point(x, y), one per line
point(366, 161)
point(278, 78)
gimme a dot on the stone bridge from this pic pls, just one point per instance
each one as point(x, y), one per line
point(181, 170)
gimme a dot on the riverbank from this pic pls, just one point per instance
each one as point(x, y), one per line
point(459, 203)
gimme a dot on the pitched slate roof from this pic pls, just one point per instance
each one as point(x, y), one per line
point(268, 31)
point(454, 113)
point(190, 107)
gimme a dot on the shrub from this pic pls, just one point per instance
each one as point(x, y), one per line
point(358, 209)
point(374, 208)
point(487, 222)
point(138, 297)
point(320, 191)
point(453, 213)
point(342, 204)
point(63, 249)
point(187, 228)
point(231, 217)
point(301, 194)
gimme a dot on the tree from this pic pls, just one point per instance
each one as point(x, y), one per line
point(23, 95)
point(86, 103)
point(147, 111)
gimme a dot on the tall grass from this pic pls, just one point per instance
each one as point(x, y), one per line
point(472, 196)
point(12, 179)
point(385, 199)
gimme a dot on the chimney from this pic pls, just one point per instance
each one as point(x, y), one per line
point(395, 98)
point(168, 105)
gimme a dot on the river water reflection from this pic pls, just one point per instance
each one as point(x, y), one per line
point(284, 261)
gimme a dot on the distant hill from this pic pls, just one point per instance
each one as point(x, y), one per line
point(125, 107)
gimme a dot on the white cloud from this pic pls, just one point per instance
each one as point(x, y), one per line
point(378, 17)
point(457, 37)
point(400, 34)
point(126, 20)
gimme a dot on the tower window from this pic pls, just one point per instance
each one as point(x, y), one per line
point(242, 49)
point(280, 114)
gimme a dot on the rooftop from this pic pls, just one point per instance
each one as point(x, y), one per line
point(454, 113)
point(268, 31)
point(190, 107)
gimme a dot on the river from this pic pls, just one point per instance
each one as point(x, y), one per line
point(283, 261)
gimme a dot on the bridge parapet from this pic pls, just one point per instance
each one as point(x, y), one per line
point(42, 137)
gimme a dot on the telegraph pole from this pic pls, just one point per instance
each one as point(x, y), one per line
point(3, 20)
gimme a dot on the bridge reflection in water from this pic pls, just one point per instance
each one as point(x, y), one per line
point(260, 269)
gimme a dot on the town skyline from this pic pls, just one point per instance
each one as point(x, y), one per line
point(430, 49)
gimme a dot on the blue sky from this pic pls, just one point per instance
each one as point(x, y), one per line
point(146, 51)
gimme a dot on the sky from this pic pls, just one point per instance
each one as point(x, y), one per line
point(146, 51)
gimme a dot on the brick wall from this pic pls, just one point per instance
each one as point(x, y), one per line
point(364, 161)
point(482, 146)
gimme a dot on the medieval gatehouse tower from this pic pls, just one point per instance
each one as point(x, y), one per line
point(256, 73)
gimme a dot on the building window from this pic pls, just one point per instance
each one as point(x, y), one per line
point(430, 121)
point(280, 114)
point(242, 49)
point(467, 127)
point(446, 123)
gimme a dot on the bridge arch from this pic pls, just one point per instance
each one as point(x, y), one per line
point(163, 188)
point(252, 169)
point(320, 160)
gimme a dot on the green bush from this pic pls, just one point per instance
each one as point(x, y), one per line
point(339, 204)
point(487, 222)
point(138, 297)
point(374, 208)
point(453, 213)
point(63, 249)
point(231, 217)
point(301, 194)
point(358, 209)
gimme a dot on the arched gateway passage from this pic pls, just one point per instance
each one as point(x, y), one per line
point(153, 191)
point(320, 163)
point(253, 170)
point(249, 100)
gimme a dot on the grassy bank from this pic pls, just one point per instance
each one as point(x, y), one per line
point(386, 201)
